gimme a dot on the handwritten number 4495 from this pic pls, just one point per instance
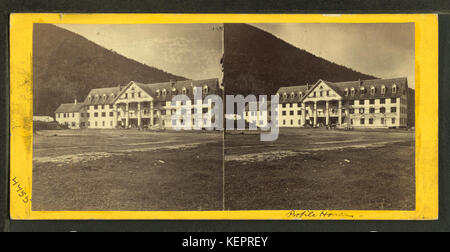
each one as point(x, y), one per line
point(20, 191)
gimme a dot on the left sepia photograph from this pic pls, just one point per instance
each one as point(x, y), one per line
point(103, 117)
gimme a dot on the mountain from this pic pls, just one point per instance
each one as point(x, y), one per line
point(256, 62)
point(66, 66)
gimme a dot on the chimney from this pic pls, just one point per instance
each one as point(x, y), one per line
point(120, 88)
point(75, 101)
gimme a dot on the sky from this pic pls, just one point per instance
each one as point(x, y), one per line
point(189, 50)
point(382, 50)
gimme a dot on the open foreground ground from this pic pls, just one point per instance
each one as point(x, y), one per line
point(127, 170)
point(304, 169)
point(318, 169)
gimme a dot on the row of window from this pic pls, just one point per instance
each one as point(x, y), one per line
point(184, 91)
point(350, 102)
point(373, 90)
point(372, 110)
point(371, 121)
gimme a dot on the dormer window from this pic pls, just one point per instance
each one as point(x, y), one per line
point(300, 94)
point(284, 95)
point(164, 92)
point(292, 95)
point(346, 92)
point(277, 94)
point(394, 89)
point(174, 91)
point(372, 90)
point(353, 91)
point(89, 98)
point(362, 90)
point(383, 89)
point(184, 91)
point(112, 96)
point(158, 93)
point(205, 89)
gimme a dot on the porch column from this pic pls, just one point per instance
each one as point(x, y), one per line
point(139, 114)
point(114, 115)
point(315, 114)
point(327, 113)
point(151, 113)
point(127, 118)
point(303, 115)
point(340, 112)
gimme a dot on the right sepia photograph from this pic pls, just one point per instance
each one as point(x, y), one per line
point(339, 100)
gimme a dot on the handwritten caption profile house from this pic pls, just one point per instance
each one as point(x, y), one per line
point(136, 105)
point(377, 103)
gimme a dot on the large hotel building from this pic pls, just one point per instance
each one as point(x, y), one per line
point(137, 105)
point(377, 103)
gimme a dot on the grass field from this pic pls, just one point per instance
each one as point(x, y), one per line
point(127, 170)
point(304, 169)
point(317, 169)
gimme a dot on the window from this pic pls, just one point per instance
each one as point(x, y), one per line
point(393, 120)
point(372, 90)
point(205, 110)
point(394, 89)
point(353, 91)
point(284, 113)
point(283, 105)
point(382, 121)
point(103, 123)
point(372, 110)
point(352, 111)
point(362, 122)
point(205, 89)
point(292, 95)
point(164, 92)
point(393, 109)
point(299, 105)
point(362, 90)
point(383, 90)
point(111, 114)
point(321, 93)
point(328, 93)
point(361, 102)
point(139, 94)
point(73, 114)
point(126, 95)
point(292, 122)
point(96, 107)
point(351, 121)
point(82, 124)
point(300, 94)
point(361, 110)
point(382, 101)
point(158, 92)
point(284, 95)
point(299, 112)
point(314, 94)
point(103, 106)
point(95, 115)
point(103, 114)
point(370, 120)
point(88, 115)
point(393, 100)
point(284, 122)
point(96, 124)
point(372, 101)
point(346, 92)
point(132, 95)
point(73, 124)
point(383, 110)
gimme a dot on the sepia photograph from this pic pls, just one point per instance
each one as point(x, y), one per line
point(102, 117)
point(217, 117)
point(345, 113)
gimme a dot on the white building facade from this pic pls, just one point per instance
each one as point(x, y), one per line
point(139, 105)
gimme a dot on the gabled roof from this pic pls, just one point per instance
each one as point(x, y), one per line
point(340, 87)
point(102, 96)
point(175, 88)
point(69, 108)
point(289, 90)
